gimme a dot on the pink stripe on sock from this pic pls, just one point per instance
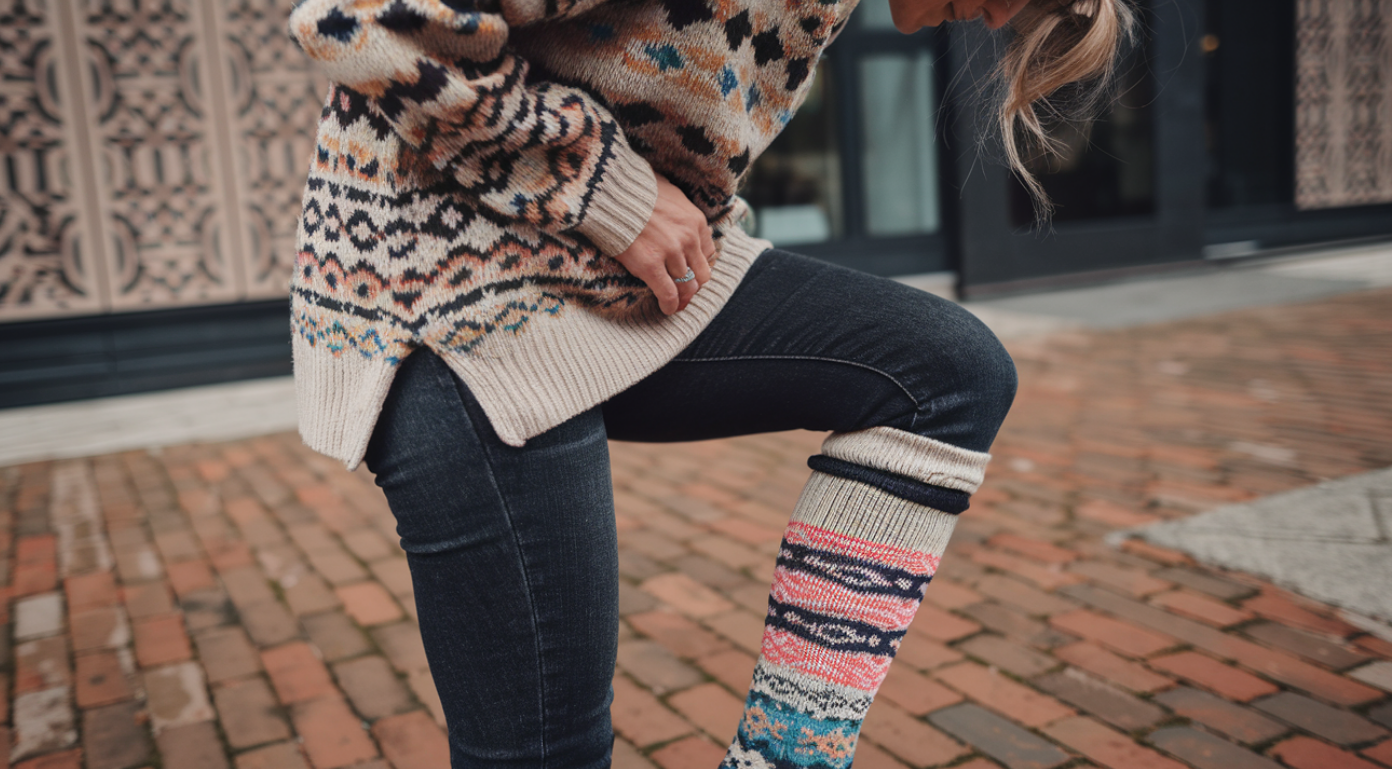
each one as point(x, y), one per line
point(827, 597)
point(854, 669)
point(889, 555)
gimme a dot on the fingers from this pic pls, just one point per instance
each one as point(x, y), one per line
point(705, 254)
point(678, 259)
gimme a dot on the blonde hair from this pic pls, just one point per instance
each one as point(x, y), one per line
point(1057, 43)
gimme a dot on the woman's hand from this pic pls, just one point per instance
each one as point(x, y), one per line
point(677, 238)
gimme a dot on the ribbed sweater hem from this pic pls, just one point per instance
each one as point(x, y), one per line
point(528, 383)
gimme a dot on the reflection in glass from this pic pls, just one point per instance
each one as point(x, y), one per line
point(900, 159)
point(1250, 57)
point(875, 15)
point(795, 186)
point(1109, 171)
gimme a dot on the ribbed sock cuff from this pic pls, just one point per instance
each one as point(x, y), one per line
point(904, 453)
point(856, 509)
point(936, 497)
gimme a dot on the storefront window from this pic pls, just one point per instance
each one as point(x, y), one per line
point(899, 161)
point(1108, 171)
point(1250, 56)
point(795, 186)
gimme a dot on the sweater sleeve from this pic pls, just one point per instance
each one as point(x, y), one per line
point(441, 73)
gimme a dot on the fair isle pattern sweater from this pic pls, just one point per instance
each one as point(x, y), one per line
point(480, 162)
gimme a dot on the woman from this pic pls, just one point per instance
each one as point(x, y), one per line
point(520, 237)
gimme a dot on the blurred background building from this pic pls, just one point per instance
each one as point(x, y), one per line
point(152, 154)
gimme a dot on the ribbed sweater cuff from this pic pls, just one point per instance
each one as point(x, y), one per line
point(905, 453)
point(622, 203)
point(858, 510)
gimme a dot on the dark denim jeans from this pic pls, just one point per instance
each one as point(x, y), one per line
point(513, 551)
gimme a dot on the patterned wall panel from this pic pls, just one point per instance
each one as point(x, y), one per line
point(1344, 103)
point(46, 266)
point(155, 152)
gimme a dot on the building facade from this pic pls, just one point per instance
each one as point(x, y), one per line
point(154, 153)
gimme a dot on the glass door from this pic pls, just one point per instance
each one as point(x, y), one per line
point(856, 177)
point(1129, 192)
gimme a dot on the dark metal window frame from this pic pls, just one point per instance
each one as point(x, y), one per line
point(901, 255)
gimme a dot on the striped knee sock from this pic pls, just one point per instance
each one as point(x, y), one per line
point(864, 540)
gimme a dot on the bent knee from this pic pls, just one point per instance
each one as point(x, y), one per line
point(978, 383)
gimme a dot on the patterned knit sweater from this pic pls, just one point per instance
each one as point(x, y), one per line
point(480, 162)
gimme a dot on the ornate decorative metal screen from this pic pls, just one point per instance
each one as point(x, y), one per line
point(152, 153)
point(1343, 103)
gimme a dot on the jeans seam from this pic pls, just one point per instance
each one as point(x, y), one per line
point(913, 419)
point(453, 382)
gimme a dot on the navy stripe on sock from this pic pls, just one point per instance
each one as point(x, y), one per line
point(859, 575)
point(948, 501)
point(833, 633)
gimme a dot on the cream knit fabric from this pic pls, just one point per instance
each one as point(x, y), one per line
point(475, 171)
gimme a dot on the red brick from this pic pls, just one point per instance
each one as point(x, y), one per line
point(999, 693)
point(1277, 607)
point(908, 738)
point(68, 759)
point(161, 640)
point(1201, 608)
point(147, 599)
point(950, 595)
point(1121, 672)
point(690, 753)
point(41, 664)
point(939, 625)
point(868, 755)
point(733, 668)
point(916, 693)
point(1374, 645)
point(1208, 673)
point(1031, 600)
point(187, 576)
point(686, 595)
point(100, 680)
point(1112, 633)
point(1134, 582)
point(710, 707)
point(1107, 747)
point(1044, 552)
point(1305, 753)
point(91, 591)
point(318, 495)
point(1381, 752)
point(101, 628)
point(1112, 514)
point(1156, 553)
point(1299, 674)
point(297, 673)
point(243, 510)
point(368, 603)
point(1043, 576)
point(654, 667)
point(640, 718)
point(746, 531)
point(333, 736)
point(212, 470)
point(922, 653)
point(228, 555)
point(412, 739)
point(35, 565)
point(678, 634)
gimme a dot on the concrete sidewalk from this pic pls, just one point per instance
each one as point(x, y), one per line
point(244, 603)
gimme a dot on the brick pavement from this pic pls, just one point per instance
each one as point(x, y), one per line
point(245, 605)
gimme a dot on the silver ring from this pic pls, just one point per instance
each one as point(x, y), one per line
point(687, 278)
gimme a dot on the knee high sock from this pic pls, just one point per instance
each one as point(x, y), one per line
point(862, 545)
